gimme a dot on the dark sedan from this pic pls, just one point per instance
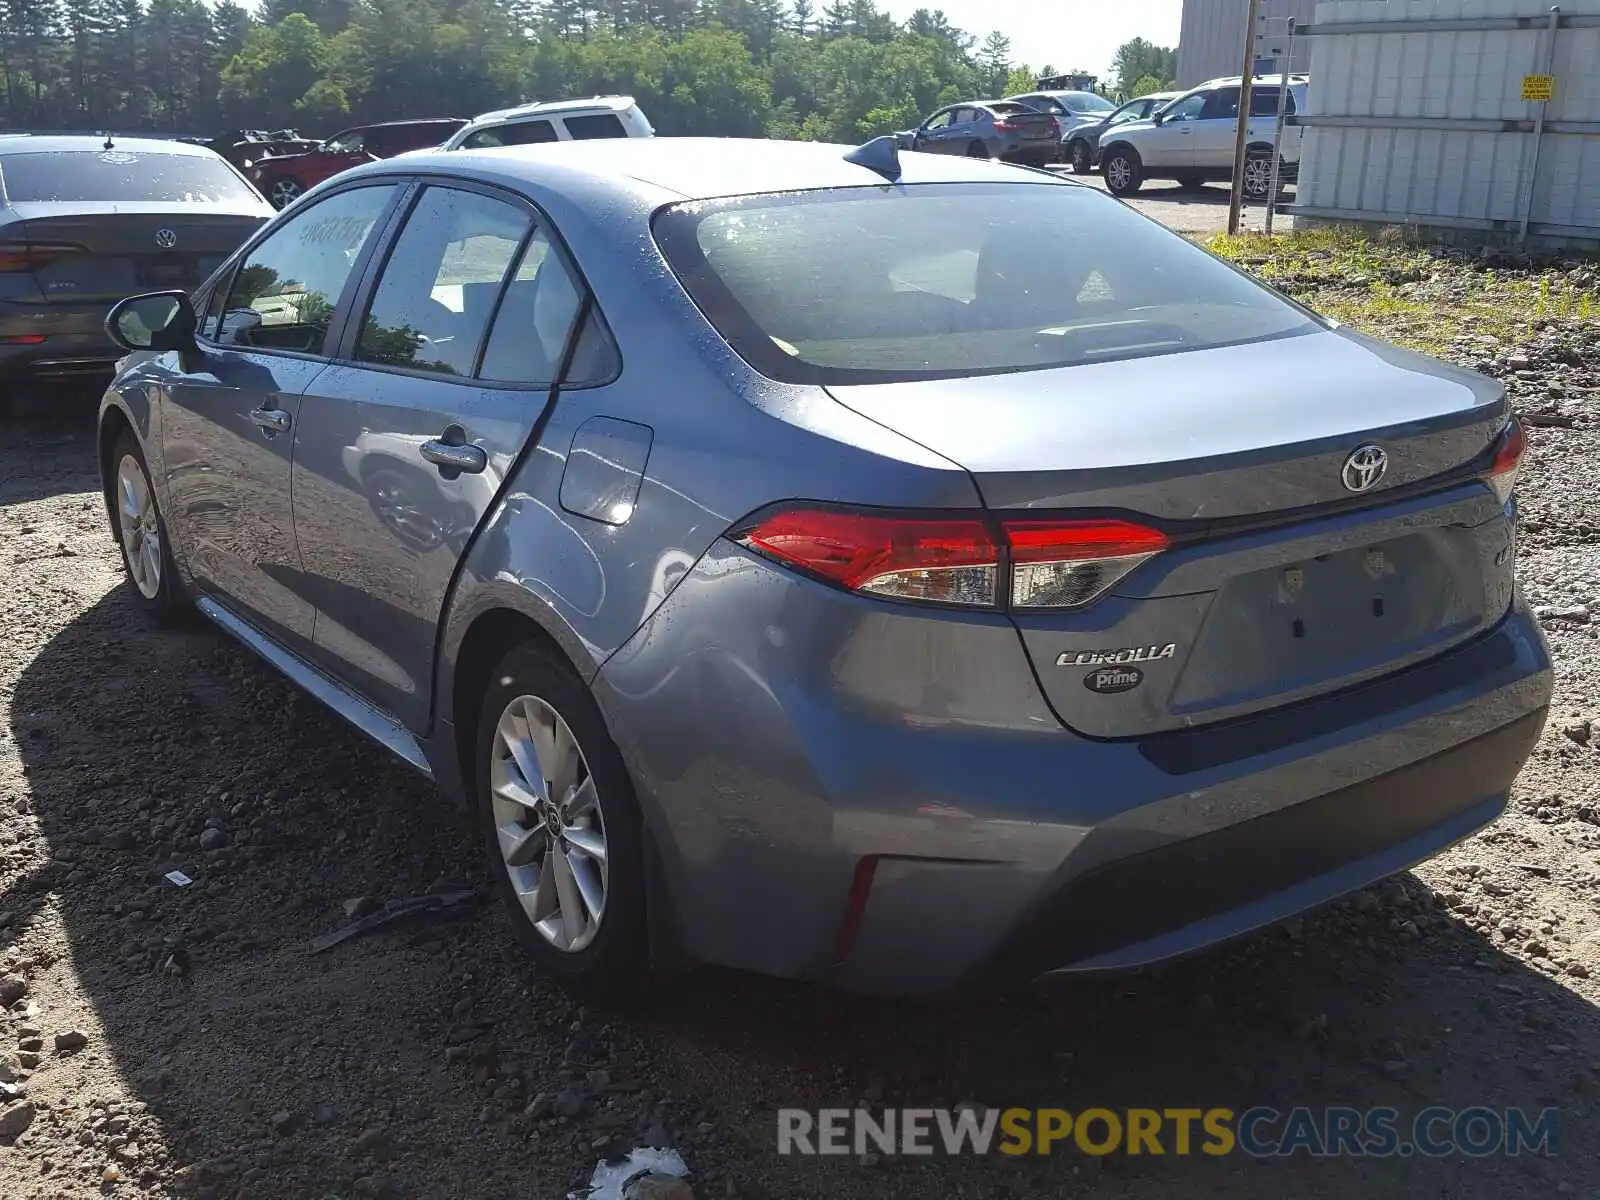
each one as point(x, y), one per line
point(85, 222)
point(1001, 129)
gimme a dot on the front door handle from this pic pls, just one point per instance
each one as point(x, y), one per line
point(273, 420)
point(448, 457)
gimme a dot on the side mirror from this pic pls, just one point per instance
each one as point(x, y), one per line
point(155, 321)
point(1158, 119)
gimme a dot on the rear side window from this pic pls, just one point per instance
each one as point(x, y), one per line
point(864, 285)
point(596, 125)
point(284, 295)
point(129, 176)
point(1264, 102)
point(523, 133)
point(542, 303)
point(437, 290)
point(1224, 102)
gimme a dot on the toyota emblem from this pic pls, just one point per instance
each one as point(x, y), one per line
point(166, 239)
point(1364, 468)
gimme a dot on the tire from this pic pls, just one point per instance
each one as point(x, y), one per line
point(977, 150)
point(1081, 157)
point(1191, 183)
point(282, 191)
point(1123, 171)
point(605, 958)
point(1258, 175)
point(141, 533)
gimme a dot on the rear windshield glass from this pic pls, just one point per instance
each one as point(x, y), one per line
point(1086, 102)
point(932, 281)
point(94, 175)
point(599, 125)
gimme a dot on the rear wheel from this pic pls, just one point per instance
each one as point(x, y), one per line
point(1258, 174)
point(1082, 157)
point(977, 150)
point(142, 534)
point(1123, 171)
point(1191, 183)
point(561, 826)
point(282, 191)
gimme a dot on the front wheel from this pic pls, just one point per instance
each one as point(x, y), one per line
point(561, 825)
point(977, 150)
point(1082, 157)
point(142, 534)
point(1123, 171)
point(282, 192)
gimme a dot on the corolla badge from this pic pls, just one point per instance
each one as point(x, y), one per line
point(166, 239)
point(1364, 468)
point(1129, 654)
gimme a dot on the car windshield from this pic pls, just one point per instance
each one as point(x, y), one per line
point(1086, 102)
point(863, 285)
point(115, 175)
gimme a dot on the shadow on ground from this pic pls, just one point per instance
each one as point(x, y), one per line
point(407, 1056)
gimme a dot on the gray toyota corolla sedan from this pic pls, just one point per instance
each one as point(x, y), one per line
point(893, 572)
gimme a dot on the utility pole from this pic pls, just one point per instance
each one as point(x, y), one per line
point(1246, 77)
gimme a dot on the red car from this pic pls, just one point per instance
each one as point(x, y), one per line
point(282, 178)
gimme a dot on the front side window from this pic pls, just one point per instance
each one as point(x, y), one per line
point(1222, 104)
point(284, 295)
point(866, 285)
point(1187, 109)
point(438, 288)
point(939, 121)
point(522, 133)
point(596, 125)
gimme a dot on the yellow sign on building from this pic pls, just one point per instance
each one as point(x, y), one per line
point(1538, 87)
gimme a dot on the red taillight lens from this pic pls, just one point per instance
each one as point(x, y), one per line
point(1502, 473)
point(31, 256)
point(1066, 564)
point(943, 560)
point(957, 559)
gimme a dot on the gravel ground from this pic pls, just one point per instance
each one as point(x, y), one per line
point(161, 1040)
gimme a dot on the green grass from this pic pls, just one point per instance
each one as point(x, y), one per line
point(1387, 287)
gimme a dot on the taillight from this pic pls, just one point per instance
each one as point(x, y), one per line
point(30, 256)
point(1004, 126)
point(1066, 564)
point(1502, 473)
point(941, 560)
point(1029, 563)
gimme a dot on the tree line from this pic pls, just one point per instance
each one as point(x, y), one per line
point(840, 70)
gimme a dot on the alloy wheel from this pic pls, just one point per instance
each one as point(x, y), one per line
point(283, 193)
point(140, 527)
point(1257, 176)
point(549, 823)
point(1118, 172)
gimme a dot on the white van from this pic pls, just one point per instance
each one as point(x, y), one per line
point(554, 121)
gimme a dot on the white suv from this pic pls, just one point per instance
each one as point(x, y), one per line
point(554, 121)
point(1192, 138)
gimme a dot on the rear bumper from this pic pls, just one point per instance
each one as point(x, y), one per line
point(1035, 152)
point(74, 340)
point(789, 742)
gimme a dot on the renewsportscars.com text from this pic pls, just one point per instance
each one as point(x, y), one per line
point(1260, 1132)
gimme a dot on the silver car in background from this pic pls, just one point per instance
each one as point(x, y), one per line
point(1082, 138)
point(877, 569)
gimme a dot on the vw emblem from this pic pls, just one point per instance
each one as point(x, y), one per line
point(166, 239)
point(1364, 468)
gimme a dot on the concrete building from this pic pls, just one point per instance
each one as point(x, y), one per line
point(1211, 43)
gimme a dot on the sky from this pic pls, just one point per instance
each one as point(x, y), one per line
point(1066, 35)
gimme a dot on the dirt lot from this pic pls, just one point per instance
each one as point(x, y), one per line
point(208, 1052)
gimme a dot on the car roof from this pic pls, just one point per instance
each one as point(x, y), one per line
point(412, 124)
point(62, 143)
point(556, 107)
point(1255, 81)
point(1058, 93)
point(665, 169)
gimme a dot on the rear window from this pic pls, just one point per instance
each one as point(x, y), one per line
point(934, 281)
point(91, 175)
point(600, 125)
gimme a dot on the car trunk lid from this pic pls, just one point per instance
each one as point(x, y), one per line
point(1028, 124)
point(105, 251)
point(1279, 582)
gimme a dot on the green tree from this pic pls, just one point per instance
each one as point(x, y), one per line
point(1138, 58)
point(996, 59)
point(1145, 87)
point(275, 69)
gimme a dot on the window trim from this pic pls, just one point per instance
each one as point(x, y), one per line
point(229, 270)
point(343, 350)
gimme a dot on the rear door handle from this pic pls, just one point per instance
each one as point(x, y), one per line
point(273, 420)
point(447, 457)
